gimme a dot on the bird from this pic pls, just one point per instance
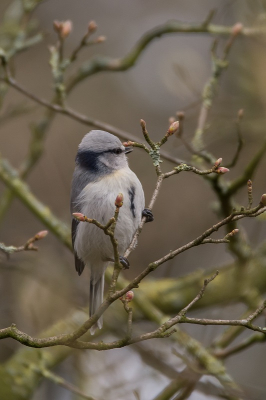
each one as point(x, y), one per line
point(101, 173)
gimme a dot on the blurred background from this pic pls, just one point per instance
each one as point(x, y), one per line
point(39, 288)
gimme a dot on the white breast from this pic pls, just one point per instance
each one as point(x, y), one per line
point(97, 201)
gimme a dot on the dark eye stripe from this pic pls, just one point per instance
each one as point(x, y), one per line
point(114, 151)
point(117, 151)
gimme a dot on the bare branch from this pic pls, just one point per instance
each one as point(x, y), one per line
point(27, 246)
point(246, 343)
point(58, 380)
point(240, 141)
point(102, 63)
point(248, 172)
point(10, 177)
point(199, 296)
point(80, 117)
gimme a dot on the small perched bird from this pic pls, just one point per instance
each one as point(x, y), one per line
point(101, 173)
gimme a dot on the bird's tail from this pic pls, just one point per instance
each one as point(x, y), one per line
point(96, 299)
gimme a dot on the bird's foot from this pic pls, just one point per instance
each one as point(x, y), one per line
point(124, 261)
point(148, 214)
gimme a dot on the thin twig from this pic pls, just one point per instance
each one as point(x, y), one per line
point(219, 65)
point(244, 344)
point(58, 380)
point(248, 172)
point(240, 141)
point(80, 117)
point(11, 178)
point(102, 63)
point(26, 247)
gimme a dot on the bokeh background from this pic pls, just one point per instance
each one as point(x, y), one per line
point(39, 288)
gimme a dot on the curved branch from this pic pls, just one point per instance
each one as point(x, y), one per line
point(102, 63)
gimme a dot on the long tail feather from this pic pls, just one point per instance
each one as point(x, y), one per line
point(96, 299)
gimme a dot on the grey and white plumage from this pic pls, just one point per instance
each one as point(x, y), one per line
point(101, 173)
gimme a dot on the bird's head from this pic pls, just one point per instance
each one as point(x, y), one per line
point(101, 150)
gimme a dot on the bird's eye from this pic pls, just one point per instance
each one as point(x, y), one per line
point(117, 151)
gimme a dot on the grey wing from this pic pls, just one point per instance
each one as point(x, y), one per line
point(80, 180)
point(79, 264)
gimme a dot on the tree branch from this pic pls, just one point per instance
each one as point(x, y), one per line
point(79, 117)
point(27, 246)
point(101, 63)
point(10, 177)
point(58, 380)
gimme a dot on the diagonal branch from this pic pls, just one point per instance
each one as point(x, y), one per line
point(80, 117)
point(10, 177)
point(58, 380)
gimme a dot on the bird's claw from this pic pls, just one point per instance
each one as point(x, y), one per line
point(148, 214)
point(124, 261)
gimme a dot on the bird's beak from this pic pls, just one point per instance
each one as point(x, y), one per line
point(128, 149)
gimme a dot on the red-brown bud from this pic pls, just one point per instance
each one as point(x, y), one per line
point(143, 124)
point(237, 28)
point(218, 162)
point(101, 39)
point(180, 115)
point(57, 25)
point(41, 235)
point(171, 120)
point(241, 113)
point(79, 216)
point(66, 29)
point(263, 200)
point(128, 143)
point(63, 28)
point(222, 170)
point(119, 200)
point(173, 128)
point(92, 26)
point(129, 296)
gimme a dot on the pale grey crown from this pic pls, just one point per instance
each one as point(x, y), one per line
point(99, 141)
point(101, 152)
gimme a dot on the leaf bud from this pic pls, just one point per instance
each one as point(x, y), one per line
point(79, 216)
point(180, 115)
point(218, 162)
point(101, 39)
point(171, 120)
point(128, 143)
point(173, 128)
point(92, 26)
point(63, 28)
point(240, 113)
point(222, 170)
point(66, 29)
point(41, 235)
point(237, 28)
point(143, 124)
point(129, 296)
point(119, 200)
point(263, 200)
